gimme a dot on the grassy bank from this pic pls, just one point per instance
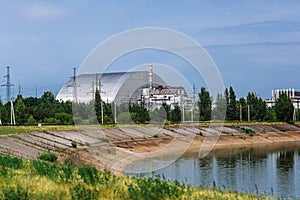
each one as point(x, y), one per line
point(7, 130)
point(31, 179)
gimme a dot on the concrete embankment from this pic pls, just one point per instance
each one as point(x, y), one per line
point(114, 148)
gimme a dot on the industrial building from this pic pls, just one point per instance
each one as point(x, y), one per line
point(120, 87)
point(158, 95)
point(291, 93)
point(143, 87)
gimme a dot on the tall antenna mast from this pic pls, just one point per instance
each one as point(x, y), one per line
point(8, 85)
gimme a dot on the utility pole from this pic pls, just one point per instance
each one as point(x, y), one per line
point(93, 90)
point(100, 91)
point(12, 114)
point(193, 103)
point(115, 110)
point(241, 115)
point(248, 113)
point(183, 119)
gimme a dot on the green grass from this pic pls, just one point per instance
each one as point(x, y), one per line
point(33, 179)
point(7, 130)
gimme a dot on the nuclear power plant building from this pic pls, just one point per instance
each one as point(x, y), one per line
point(119, 87)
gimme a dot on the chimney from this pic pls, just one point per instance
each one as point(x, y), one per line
point(150, 73)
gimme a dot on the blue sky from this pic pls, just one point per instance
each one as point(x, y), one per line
point(255, 44)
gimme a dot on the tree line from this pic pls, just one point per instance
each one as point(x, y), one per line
point(252, 108)
point(47, 109)
point(31, 110)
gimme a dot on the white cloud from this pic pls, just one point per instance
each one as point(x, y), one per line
point(44, 10)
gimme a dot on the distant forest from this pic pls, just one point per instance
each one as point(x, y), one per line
point(48, 110)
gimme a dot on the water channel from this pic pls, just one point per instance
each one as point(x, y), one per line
point(273, 170)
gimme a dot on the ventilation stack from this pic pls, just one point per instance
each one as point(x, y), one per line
point(150, 78)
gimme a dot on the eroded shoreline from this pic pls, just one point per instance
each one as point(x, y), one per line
point(115, 148)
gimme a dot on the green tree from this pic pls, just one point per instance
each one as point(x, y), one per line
point(219, 112)
point(232, 106)
point(138, 113)
point(108, 115)
point(204, 105)
point(261, 110)
point(242, 104)
point(64, 118)
point(252, 102)
point(31, 120)
point(167, 109)
point(47, 106)
point(98, 105)
point(284, 108)
point(158, 115)
point(270, 115)
point(226, 97)
point(175, 115)
point(20, 111)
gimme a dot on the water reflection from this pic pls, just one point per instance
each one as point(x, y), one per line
point(271, 170)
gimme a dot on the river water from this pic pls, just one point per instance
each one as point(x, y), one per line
point(271, 170)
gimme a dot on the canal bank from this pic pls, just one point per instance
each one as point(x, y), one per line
point(115, 148)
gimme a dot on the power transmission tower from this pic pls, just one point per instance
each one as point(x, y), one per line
point(8, 85)
point(19, 90)
point(74, 85)
point(99, 88)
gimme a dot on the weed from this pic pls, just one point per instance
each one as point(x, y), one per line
point(104, 139)
point(249, 131)
point(51, 157)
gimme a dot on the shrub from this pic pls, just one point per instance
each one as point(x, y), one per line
point(74, 144)
point(50, 120)
point(11, 162)
point(104, 139)
point(89, 174)
point(31, 120)
point(249, 131)
point(51, 157)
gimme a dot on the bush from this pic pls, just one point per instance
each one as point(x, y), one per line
point(64, 118)
point(51, 157)
point(249, 131)
point(175, 115)
point(89, 174)
point(31, 120)
point(124, 117)
point(11, 162)
point(74, 144)
point(50, 120)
